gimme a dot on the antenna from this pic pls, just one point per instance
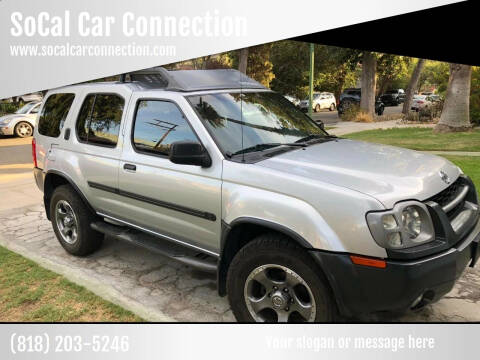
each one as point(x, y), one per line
point(241, 113)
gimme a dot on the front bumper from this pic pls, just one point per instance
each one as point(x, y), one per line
point(401, 285)
point(6, 130)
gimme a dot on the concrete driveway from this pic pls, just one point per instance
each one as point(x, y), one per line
point(160, 289)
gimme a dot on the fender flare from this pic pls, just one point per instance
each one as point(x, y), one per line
point(225, 259)
point(46, 199)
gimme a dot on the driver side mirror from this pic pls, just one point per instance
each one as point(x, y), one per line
point(189, 153)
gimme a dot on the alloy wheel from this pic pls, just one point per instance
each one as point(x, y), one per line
point(24, 130)
point(66, 221)
point(275, 293)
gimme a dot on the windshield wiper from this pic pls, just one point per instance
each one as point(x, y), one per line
point(314, 137)
point(261, 147)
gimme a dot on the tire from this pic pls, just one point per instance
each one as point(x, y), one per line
point(332, 107)
point(83, 240)
point(23, 129)
point(380, 111)
point(317, 108)
point(271, 255)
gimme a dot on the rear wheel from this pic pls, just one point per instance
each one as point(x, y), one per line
point(273, 280)
point(23, 129)
point(71, 221)
point(332, 107)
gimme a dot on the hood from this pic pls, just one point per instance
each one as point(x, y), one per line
point(387, 173)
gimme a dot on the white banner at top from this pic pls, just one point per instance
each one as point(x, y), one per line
point(51, 43)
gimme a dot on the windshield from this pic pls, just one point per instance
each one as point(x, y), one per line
point(267, 118)
point(25, 108)
point(391, 92)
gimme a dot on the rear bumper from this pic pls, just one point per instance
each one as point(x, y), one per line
point(39, 177)
point(401, 285)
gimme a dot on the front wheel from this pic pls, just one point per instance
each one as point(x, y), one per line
point(273, 280)
point(23, 129)
point(317, 108)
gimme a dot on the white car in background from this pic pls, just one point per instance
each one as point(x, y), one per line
point(420, 102)
point(22, 122)
point(322, 100)
point(293, 100)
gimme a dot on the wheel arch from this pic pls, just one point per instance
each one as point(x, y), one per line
point(239, 233)
point(54, 179)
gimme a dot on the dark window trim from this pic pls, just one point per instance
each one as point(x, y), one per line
point(43, 107)
point(134, 120)
point(167, 205)
point(89, 118)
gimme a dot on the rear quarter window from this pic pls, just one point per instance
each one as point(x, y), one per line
point(54, 113)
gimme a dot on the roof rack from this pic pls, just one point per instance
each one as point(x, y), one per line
point(192, 80)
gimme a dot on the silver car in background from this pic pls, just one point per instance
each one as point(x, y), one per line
point(22, 122)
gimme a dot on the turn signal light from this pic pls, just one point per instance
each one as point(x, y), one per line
point(365, 261)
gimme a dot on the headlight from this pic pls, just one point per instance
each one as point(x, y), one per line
point(5, 121)
point(408, 224)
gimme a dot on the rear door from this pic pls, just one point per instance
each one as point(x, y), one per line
point(181, 202)
point(95, 146)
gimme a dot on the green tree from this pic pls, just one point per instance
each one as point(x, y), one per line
point(334, 68)
point(259, 65)
point(392, 72)
point(475, 96)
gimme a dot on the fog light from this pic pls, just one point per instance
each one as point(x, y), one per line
point(416, 302)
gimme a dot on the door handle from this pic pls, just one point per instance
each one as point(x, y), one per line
point(129, 167)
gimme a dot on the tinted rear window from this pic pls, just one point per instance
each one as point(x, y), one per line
point(99, 119)
point(54, 113)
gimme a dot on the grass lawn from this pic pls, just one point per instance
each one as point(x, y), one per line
point(421, 139)
point(470, 166)
point(29, 292)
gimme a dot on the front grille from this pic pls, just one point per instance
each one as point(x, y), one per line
point(446, 196)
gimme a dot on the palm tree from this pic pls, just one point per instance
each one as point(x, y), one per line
point(412, 86)
point(456, 113)
point(243, 60)
point(369, 67)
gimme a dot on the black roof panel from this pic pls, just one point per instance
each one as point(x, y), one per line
point(194, 80)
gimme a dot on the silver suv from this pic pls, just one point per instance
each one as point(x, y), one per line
point(210, 168)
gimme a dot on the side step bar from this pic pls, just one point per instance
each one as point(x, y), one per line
point(198, 260)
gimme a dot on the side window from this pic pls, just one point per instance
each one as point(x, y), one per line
point(157, 125)
point(35, 109)
point(54, 113)
point(99, 119)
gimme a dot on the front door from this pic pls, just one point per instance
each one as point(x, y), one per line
point(181, 202)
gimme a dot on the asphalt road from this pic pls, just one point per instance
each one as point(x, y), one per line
point(17, 186)
point(15, 150)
